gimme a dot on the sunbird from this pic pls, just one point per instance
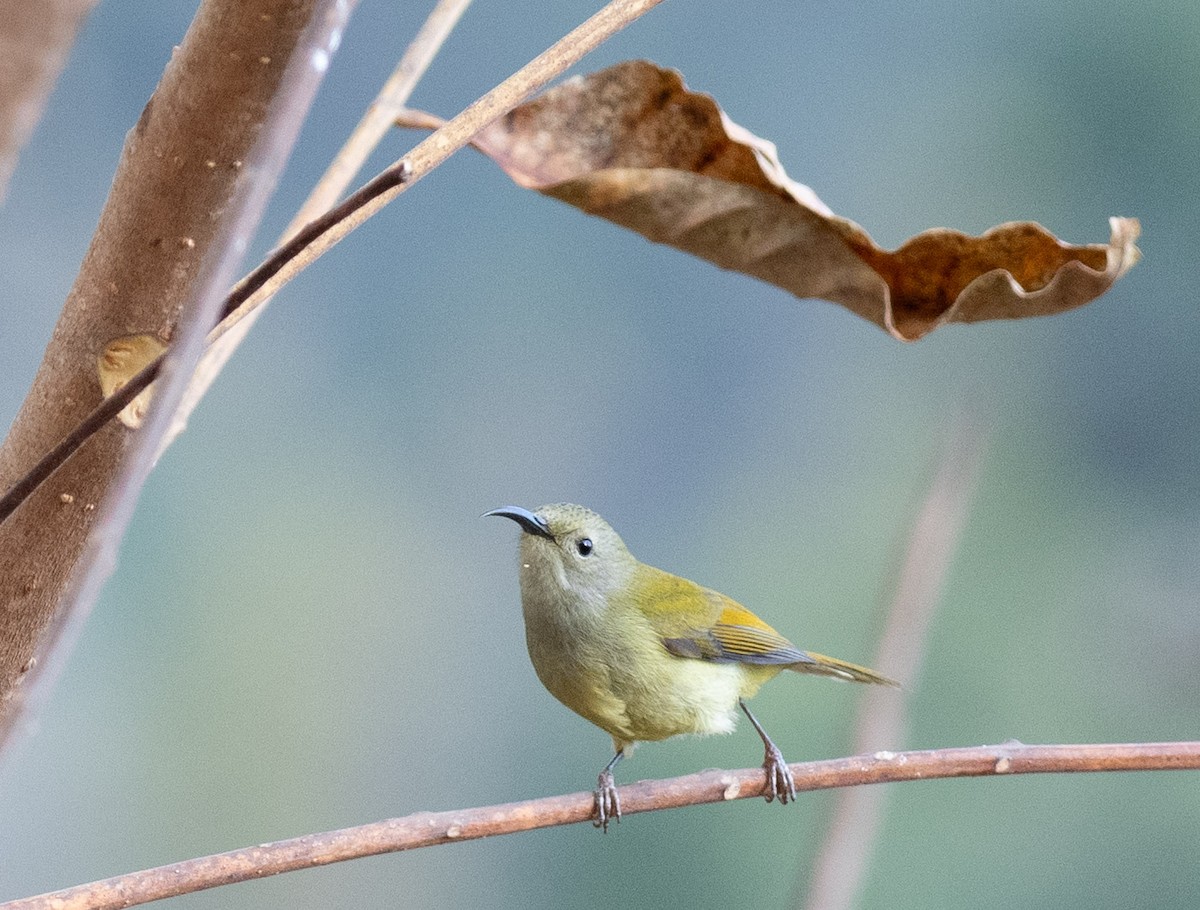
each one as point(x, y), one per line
point(641, 653)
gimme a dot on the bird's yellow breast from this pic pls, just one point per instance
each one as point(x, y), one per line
point(646, 695)
point(611, 667)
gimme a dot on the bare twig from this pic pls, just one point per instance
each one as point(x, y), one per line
point(427, 829)
point(345, 166)
point(379, 117)
point(459, 131)
point(410, 118)
point(428, 155)
point(838, 871)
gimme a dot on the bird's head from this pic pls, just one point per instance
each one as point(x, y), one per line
point(569, 553)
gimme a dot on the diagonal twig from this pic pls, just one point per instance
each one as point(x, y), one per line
point(375, 123)
point(426, 156)
point(378, 119)
point(271, 266)
point(35, 41)
point(314, 215)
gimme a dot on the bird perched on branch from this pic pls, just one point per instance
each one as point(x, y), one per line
point(641, 653)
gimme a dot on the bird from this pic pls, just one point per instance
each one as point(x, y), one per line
point(643, 654)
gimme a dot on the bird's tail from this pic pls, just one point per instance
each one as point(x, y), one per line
point(840, 669)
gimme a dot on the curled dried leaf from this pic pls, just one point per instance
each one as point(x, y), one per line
point(121, 360)
point(632, 144)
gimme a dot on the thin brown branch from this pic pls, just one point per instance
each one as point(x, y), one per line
point(333, 183)
point(459, 131)
point(427, 829)
point(379, 117)
point(932, 540)
point(411, 118)
point(427, 155)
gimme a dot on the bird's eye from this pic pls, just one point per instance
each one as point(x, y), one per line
point(584, 546)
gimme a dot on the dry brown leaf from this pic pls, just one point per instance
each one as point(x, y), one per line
point(633, 145)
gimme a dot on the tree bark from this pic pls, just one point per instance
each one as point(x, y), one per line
point(175, 190)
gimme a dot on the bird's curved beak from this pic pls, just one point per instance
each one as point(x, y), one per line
point(530, 523)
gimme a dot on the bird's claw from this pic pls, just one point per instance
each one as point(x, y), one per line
point(608, 803)
point(780, 782)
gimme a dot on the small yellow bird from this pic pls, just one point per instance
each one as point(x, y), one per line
point(641, 653)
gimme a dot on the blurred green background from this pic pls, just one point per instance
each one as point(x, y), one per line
point(310, 626)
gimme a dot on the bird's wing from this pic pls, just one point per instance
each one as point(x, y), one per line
point(701, 624)
point(732, 634)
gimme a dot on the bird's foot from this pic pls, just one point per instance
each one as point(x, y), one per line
point(780, 782)
point(608, 804)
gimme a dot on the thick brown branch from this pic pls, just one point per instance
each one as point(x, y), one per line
point(193, 177)
point(427, 829)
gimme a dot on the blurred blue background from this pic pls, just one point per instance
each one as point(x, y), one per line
point(311, 627)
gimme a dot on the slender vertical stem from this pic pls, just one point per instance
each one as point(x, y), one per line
point(883, 722)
